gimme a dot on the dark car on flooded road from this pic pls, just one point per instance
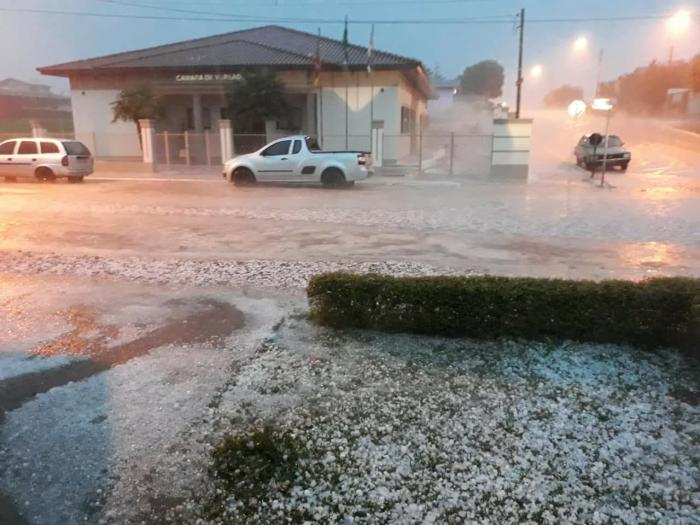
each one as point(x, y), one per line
point(591, 156)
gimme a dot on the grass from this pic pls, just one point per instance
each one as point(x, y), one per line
point(247, 467)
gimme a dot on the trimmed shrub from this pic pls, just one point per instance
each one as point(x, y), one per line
point(651, 313)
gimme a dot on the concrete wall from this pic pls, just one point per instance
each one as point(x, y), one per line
point(379, 98)
point(694, 104)
point(368, 98)
point(92, 121)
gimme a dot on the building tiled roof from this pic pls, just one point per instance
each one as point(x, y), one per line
point(272, 46)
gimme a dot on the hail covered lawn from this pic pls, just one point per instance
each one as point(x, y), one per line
point(399, 429)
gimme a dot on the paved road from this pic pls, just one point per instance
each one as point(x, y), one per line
point(559, 225)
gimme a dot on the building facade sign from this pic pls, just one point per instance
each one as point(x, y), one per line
point(208, 77)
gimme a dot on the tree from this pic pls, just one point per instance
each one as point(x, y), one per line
point(256, 97)
point(435, 75)
point(645, 89)
point(484, 78)
point(137, 103)
point(563, 96)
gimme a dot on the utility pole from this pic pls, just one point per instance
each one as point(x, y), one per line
point(670, 56)
point(600, 67)
point(519, 82)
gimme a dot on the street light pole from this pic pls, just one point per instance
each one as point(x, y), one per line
point(600, 67)
point(519, 82)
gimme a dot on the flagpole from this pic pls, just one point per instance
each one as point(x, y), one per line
point(371, 86)
point(347, 81)
point(320, 111)
point(320, 90)
point(371, 109)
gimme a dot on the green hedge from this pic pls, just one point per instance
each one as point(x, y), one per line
point(650, 313)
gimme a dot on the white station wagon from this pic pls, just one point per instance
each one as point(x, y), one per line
point(45, 159)
point(298, 159)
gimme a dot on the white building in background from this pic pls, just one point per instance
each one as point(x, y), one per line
point(445, 93)
point(683, 102)
point(192, 77)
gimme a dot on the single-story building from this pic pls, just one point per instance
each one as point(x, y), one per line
point(683, 102)
point(192, 77)
point(446, 91)
point(22, 102)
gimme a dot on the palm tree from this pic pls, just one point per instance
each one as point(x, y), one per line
point(137, 103)
point(256, 97)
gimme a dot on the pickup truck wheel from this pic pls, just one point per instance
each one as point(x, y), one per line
point(243, 177)
point(333, 178)
point(45, 174)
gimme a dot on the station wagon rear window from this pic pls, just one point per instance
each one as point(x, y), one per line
point(49, 147)
point(74, 147)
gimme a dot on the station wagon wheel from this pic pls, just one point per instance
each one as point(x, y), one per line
point(243, 177)
point(333, 178)
point(45, 174)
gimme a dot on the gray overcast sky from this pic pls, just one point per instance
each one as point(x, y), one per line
point(30, 40)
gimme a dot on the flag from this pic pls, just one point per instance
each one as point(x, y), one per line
point(317, 61)
point(345, 44)
point(370, 48)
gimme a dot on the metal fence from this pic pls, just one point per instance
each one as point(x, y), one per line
point(430, 153)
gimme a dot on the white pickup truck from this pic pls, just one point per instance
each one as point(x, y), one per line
point(298, 159)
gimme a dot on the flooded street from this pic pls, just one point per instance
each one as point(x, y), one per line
point(560, 223)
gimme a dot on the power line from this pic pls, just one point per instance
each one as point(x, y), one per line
point(496, 19)
point(141, 5)
point(324, 3)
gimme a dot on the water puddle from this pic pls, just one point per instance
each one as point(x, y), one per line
point(210, 321)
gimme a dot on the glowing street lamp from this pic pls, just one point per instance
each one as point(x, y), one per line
point(679, 23)
point(576, 109)
point(580, 44)
point(677, 26)
point(536, 71)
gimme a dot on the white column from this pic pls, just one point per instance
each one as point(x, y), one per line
point(226, 137)
point(270, 130)
point(148, 142)
point(197, 113)
point(37, 129)
point(311, 114)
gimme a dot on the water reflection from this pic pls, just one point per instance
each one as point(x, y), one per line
point(654, 256)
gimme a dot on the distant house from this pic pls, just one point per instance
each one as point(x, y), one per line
point(446, 91)
point(683, 102)
point(24, 101)
point(192, 78)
